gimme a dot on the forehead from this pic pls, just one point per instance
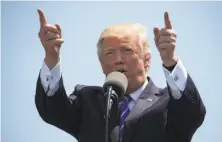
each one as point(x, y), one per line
point(115, 41)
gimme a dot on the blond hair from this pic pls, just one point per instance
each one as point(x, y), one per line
point(122, 30)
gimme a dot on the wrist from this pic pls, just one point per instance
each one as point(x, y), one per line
point(51, 62)
point(170, 62)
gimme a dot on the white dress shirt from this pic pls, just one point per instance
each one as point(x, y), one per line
point(136, 94)
point(176, 80)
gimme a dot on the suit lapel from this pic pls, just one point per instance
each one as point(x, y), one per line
point(145, 101)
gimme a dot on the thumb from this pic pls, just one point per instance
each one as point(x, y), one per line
point(58, 27)
point(156, 30)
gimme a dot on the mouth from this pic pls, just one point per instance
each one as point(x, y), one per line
point(122, 71)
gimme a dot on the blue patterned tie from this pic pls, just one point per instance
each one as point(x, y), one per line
point(124, 113)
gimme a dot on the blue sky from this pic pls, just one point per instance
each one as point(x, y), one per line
point(198, 26)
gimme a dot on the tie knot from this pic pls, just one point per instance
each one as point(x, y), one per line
point(127, 99)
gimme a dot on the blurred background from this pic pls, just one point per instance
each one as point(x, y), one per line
point(198, 26)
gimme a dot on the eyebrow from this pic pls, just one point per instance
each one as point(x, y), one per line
point(111, 49)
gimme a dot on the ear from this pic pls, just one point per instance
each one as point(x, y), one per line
point(104, 69)
point(147, 60)
point(102, 66)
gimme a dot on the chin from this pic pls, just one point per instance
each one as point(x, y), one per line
point(136, 80)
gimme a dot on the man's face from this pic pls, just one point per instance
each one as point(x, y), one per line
point(125, 55)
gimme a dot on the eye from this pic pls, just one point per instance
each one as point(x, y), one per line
point(128, 50)
point(108, 53)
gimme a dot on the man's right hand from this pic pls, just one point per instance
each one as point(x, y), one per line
point(51, 39)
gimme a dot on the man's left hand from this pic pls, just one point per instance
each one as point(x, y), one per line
point(165, 40)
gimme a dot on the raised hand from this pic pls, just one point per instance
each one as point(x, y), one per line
point(165, 40)
point(51, 39)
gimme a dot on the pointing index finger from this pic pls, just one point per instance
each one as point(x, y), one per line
point(167, 21)
point(42, 18)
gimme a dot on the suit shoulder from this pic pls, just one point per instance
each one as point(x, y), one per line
point(86, 89)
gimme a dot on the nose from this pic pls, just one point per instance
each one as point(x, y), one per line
point(119, 59)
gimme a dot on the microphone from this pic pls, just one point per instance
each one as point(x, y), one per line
point(116, 84)
point(114, 87)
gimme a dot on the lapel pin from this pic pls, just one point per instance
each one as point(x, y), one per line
point(150, 100)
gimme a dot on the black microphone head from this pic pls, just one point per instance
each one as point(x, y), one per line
point(118, 81)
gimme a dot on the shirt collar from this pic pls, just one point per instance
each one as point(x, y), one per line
point(135, 95)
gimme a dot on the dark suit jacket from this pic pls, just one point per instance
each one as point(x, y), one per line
point(156, 117)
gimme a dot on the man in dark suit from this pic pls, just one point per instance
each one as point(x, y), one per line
point(148, 113)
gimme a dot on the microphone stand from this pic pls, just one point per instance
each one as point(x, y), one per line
point(110, 96)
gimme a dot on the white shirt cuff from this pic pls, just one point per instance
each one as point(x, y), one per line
point(50, 78)
point(177, 79)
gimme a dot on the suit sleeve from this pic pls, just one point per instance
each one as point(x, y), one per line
point(185, 114)
point(186, 111)
point(59, 110)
